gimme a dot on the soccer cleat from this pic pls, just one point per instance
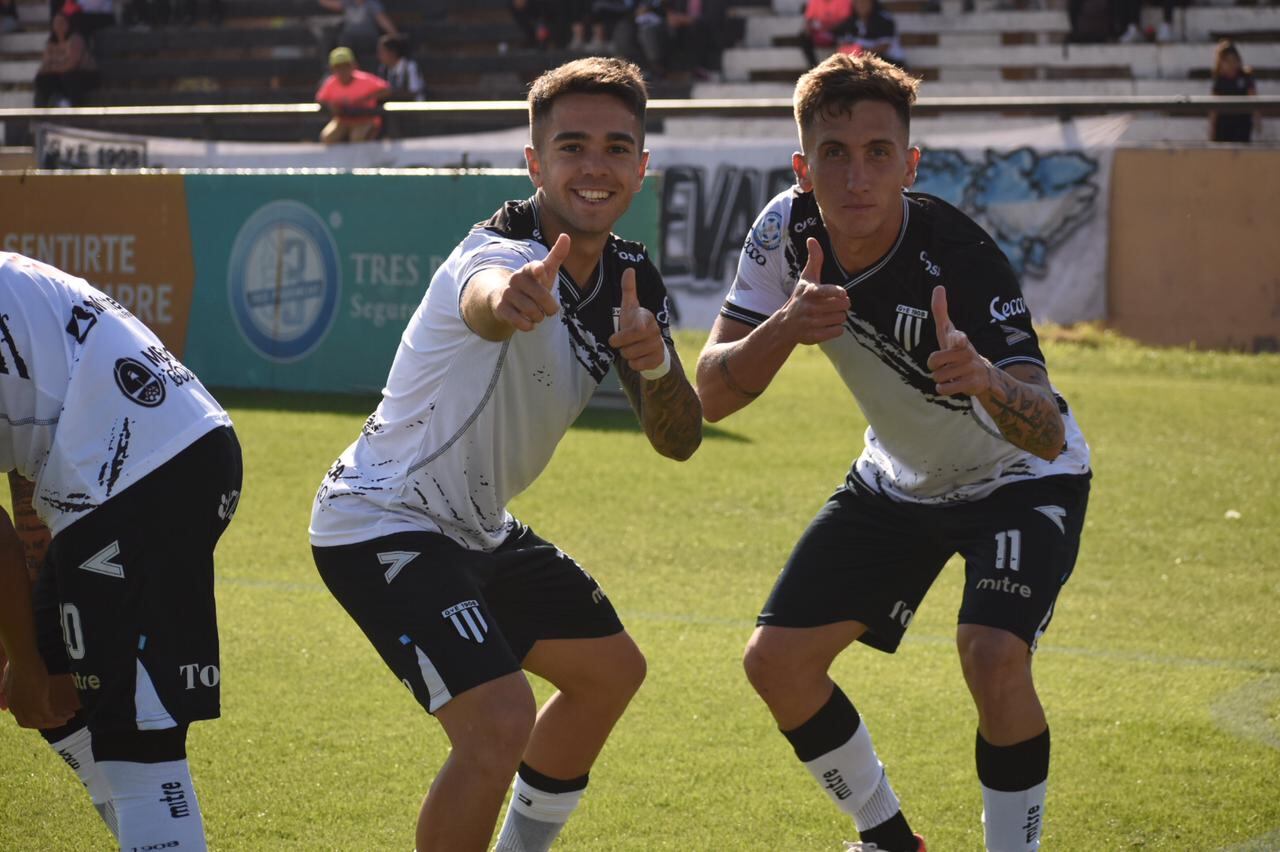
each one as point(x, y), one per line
point(859, 846)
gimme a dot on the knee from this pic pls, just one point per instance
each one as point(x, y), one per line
point(994, 661)
point(493, 730)
point(767, 664)
point(631, 670)
point(620, 673)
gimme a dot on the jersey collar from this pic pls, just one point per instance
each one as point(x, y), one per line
point(853, 281)
point(570, 294)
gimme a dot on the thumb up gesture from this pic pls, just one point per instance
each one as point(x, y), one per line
point(638, 338)
point(956, 367)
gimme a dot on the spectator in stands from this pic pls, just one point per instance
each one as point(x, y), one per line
point(610, 22)
point(545, 23)
point(9, 22)
point(67, 70)
point(821, 17)
point(680, 34)
point(363, 22)
point(399, 69)
point(353, 97)
point(1090, 21)
point(88, 17)
point(871, 29)
point(1232, 77)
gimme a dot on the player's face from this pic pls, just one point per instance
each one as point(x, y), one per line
point(587, 163)
point(857, 163)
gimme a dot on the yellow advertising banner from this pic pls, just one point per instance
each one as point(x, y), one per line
point(128, 235)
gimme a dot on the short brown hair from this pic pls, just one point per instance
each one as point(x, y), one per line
point(1226, 47)
point(842, 79)
point(595, 75)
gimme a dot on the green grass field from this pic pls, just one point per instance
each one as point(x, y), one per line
point(1161, 672)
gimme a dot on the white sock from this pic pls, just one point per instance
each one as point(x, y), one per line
point(1012, 822)
point(854, 778)
point(535, 817)
point(77, 751)
point(155, 804)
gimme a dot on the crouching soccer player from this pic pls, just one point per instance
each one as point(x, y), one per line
point(124, 472)
point(410, 529)
point(968, 450)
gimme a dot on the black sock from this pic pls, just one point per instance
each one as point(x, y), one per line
point(892, 835)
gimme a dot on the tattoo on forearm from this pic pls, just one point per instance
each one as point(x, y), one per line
point(1026, 414)
point(730, 383)
point(668, 409)
point(31, 530)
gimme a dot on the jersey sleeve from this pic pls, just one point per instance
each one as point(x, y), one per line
point(764, 279)
point(987, 305)
point(483, 249)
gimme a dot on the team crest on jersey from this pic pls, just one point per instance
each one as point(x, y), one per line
point(909, 326)
point(767, 234)
point(468, 620)
point(137, 382)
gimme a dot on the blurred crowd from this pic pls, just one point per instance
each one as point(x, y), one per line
point(683, 39)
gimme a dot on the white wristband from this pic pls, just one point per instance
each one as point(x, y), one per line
point(660, 370)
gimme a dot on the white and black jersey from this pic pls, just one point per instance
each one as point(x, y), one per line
point(90, 399)
point(920, 446)
point(466, 424)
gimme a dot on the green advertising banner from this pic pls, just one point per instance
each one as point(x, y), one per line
point(306, 281)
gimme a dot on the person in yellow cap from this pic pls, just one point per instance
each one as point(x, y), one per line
point(352, 96)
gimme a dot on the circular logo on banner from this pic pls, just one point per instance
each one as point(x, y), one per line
point(137, 382)
point(283, 281)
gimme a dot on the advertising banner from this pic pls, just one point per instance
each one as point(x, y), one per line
point(127, 235)
point(306, 281)
point(1040, 188)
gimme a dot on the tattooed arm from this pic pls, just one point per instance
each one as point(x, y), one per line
point(668, 408)
point(1021, 402)
point(30, 529)
point(667, 405)
point(1019, 399)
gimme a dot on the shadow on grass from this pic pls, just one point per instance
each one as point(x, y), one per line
point(624, 420)
point(594, 419)
point(307, 401)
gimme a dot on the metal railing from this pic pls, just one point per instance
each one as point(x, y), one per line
point(414, 118)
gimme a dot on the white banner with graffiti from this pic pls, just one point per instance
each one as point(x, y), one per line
point(1041, 190)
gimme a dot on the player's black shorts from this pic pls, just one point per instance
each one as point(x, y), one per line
point(871, 559)
point(446, 619)
point(125, 600)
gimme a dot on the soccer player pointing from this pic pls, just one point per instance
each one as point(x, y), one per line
point(410, 529)
point(968, 450)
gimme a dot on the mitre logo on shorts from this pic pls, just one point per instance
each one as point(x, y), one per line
point(137, 382)
point(468, 620)
point(284, 280)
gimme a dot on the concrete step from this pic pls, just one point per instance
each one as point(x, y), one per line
point(763, 31)
point(18, 70)
point(1143, 60)
point(999, 88)
point(23, 43)
point(16, 98)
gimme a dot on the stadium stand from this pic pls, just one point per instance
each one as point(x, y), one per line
point(273, 51)
point(1019, 52)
